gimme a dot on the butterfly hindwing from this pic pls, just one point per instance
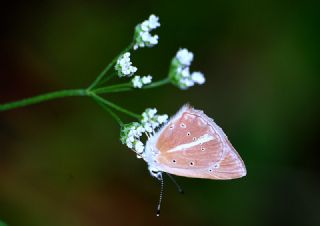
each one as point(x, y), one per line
point(192, 145)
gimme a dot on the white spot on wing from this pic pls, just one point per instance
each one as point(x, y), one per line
point(203, 139)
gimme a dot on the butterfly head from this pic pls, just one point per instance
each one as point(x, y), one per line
point(155, 172)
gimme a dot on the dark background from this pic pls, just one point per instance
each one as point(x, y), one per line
point(61, 162)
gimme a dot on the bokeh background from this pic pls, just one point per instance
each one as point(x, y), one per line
point(61, 162)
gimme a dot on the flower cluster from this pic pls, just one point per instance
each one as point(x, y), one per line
point(124, 66)
point(131, 133)
point(180, 71)
point(138, 82)
point(150, 119)
point(142, 35)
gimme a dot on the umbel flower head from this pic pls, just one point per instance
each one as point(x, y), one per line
point(142, 36)
point(139, 82)
point(131, 133)
point(180, 71)
point(124, 66)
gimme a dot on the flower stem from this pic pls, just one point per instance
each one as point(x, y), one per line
point(107, 68)
point(158, 83)
point(105, 107)
point(128, 87)
point(42, 98)
point(114, 106)
point(113, 88)
point(107, 78)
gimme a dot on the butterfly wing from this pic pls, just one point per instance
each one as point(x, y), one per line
point(192, 145)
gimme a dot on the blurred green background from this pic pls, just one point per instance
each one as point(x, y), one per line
point(61, 162)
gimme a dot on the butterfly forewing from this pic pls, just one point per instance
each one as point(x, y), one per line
point(192, 145)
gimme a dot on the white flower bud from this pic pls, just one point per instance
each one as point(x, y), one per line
point(153, 22)
point(198, 78)
point(180, 72)
point(124, 66)
point(139, 147)
point(143, 36)
point(184, 57)
point(162, 118)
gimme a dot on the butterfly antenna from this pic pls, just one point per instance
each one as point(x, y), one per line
point(160, 197)
point(180, 190)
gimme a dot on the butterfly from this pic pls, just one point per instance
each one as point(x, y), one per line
point(191, 144)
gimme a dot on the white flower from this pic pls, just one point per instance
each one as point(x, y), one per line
point(198, 78)
point(147, 127)
point(180, 71)
point(140, 130)
point(153, 22)
point(184, 57)
point(139, 147)
point(153, 40)
point(185, 72)
point(124, 66)
point(187, 82)
point(163, 118)
point(138, 82)
point(145, 25)
point(142, 35)
point(146, 79)
point(151, 120)
point(131, 133)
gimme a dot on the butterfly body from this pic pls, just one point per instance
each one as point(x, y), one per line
point(192, 145)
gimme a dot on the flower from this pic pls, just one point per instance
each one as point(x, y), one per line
point(184, 57)
point(142, 36)
point(150, 119)
point(198, 77)
point(153, 22)
point(138, 82)
point(146, 79)
point(124, 66)
point(131, 133)
point(139, 146)
point(180, 72)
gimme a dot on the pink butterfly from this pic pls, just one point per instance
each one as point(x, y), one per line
point(192, 145)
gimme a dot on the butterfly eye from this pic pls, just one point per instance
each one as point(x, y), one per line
point(202, 149)
point(174, 161)
point(191, 163)
point(182, 125)
point(171, 126)
point(210, 170)
point(194, 138)
point(188, 133)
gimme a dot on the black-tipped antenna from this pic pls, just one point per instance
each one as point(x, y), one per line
point(160, 197)
point(180, 190)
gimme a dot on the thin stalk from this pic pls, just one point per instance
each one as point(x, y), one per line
point(114, 106)
point(113, 88)
point(128, 87)
point(162, 82)
point(107, 68)
point(109, 77)
point(105, 107)
point(42, 98)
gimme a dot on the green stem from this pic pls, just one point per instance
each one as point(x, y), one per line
point(114, 106)
point(106, 79)
point(107, 68)
point(158, 83)
point(42, 98)
point(114, 88)
point(128, 86)
point(105, 107)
